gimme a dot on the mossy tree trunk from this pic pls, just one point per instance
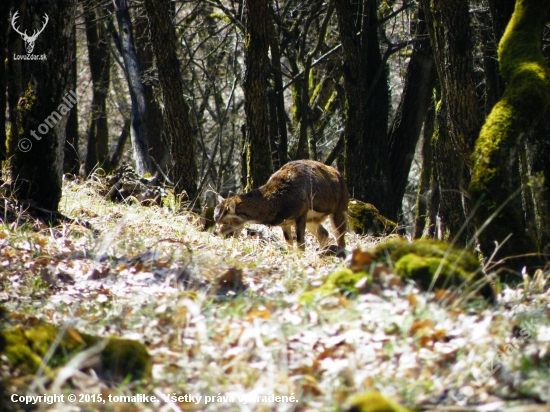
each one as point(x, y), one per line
point(4, 26)
point(100, 65)
point(407, 122)
point(258, 152)
point(367, 101)
point(18, 76)
point(38, 162)
point(182, 144)
point(137, 94)
point(525, 100)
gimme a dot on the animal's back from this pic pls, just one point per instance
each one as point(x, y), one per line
point(304, 185)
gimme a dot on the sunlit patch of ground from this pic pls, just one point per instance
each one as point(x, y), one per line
point(150, 274)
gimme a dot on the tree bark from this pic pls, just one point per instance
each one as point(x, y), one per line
point(43, 107)
point(100, 65)
point(407, 123)
point(137, 94)
point(367, 101)
point(450, 35)
point(258, 153)
point(4, 26)
point(499, 16)
point(279, 99)
point(449, 169)
point(71, 162)
point(156, 129)
point(426, 212)
point(182, 145)
point(525, 100)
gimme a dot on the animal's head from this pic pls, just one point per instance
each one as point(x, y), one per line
point(226, 217)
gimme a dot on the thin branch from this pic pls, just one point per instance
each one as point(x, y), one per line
point(315, 63)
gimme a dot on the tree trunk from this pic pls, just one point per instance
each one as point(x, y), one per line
point(258, 154)
point(426, 211)
point(449, 169)
point(407, 123)
point(4, 25)
point(156, 129)
point(71, 162)
point(367, 101)
point(182, 145)
point(44, 105)
point(525, 100)
point(137, 94)
point(499, 16)
point(450, 35)
point(279, 98)
point(100, 64)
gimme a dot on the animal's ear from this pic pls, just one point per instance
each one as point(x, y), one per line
point(231, 193)
point(232, 207)
point(220, 199)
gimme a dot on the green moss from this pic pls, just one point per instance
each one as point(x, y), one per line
point(25, 348)
point(364, 218)
point(343, 281)
point(423, 259)
point(525, 100)
point(375, 402)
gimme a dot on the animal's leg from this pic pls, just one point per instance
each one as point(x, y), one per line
point(301, 231)
point(320, 233)
point(287, 232)
point(339, 222)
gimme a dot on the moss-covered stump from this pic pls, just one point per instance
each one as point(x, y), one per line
point(525, 100)
point(375, 402)
point(365, 219)
point(25, 349)
point(429, 263)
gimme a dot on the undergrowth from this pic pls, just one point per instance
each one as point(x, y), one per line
point(152, 275)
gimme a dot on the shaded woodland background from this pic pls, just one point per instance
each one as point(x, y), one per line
point(213, 96)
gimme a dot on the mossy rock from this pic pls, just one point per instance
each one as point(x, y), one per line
point(375, 402)
point(25, 348)
point(423, 259)
point(365, 219)
point(344, 282)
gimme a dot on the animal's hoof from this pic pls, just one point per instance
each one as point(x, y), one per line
point(334, 250)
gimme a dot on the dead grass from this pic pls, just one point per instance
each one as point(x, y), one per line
point(150, 274)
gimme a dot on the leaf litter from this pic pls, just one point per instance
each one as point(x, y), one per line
point(222, 318)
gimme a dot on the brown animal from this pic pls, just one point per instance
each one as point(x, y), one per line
point(302, 193)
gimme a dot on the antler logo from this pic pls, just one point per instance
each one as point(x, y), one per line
point(29, 40)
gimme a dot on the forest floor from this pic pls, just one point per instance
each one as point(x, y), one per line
point(153, 275)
